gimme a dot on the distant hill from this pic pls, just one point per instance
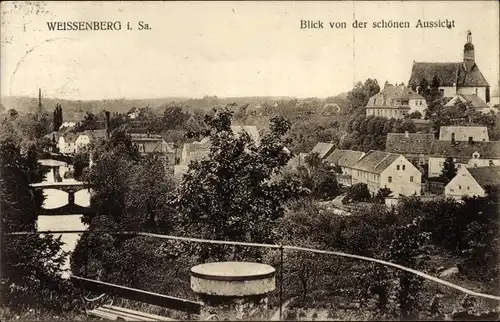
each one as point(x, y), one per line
point(75, 110)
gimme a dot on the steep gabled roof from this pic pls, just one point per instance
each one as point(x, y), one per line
point(449, 74)
point(323, 149)
point(471, 78)
point(486, 176)
point(475, 100)
point(409, 143)
point(464, 150)
point(344, 158)
point(376, 161)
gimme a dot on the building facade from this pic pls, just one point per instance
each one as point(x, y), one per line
point(464, 154)
point(380, 169)
point(471, 182)
point(464, 133)
point(395, 102)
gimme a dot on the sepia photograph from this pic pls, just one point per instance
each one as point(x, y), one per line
point(250, 160)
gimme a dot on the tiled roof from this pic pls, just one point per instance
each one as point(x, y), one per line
point(376, 161)
point(463, 131)
point(323, 149)
point(392, 96)
point(449, 74)
point(464, 150)
point(406, 143)
point(344, 158)
point(471, 78)
point(486, 176)
point(475, 100)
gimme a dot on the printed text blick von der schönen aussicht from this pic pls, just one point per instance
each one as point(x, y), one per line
point(379, 24)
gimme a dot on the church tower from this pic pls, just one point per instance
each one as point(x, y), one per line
point(469, 52)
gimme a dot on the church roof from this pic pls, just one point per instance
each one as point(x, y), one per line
point(449, 74)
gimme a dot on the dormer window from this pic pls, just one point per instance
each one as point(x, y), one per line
point(475, 155)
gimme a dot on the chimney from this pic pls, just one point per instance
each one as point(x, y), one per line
point(107, 124)
point(407, 134)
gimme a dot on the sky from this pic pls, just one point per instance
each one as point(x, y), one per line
point(228, 49)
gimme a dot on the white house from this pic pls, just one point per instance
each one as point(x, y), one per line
point(345, 159)
point(465, 154)
point(67, 143)
point(472, 182)
point(380, 169)
point(463, 133)
point(84, 138)
point(395, 102)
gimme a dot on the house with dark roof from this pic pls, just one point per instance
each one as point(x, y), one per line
point(465, 155)
point(345, 159)
point(414, 146)
point(464, 133)
point(395, 102)
point(471, 99)
point(380, 169)
point(473, 182)
point(323, 149)
point(454, 77)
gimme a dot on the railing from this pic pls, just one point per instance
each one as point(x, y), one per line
point(281, 249)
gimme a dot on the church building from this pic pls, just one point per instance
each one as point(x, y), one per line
point(454, 77)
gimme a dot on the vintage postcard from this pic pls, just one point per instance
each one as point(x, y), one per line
point(250, 160)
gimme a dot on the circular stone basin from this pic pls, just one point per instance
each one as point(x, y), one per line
point(234, 279)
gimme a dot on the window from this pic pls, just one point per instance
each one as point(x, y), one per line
point(411, 179)
point(397, 167)
point(453, 136)
point(460, 187)
point(491, 163)
point(403, 167)
point(458, 165)
point(475, 165)
point(389, 179)
point(468, 188)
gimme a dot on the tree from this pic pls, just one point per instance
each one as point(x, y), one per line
point(57, 118)
point(382, 193)
point(357, 192)
point(358, 97)
point(415, 115)
point(230, 195)
point(31, 265)
point(319, 177)
point(449, 170)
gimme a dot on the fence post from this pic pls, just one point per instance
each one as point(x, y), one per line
point(281, 282)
